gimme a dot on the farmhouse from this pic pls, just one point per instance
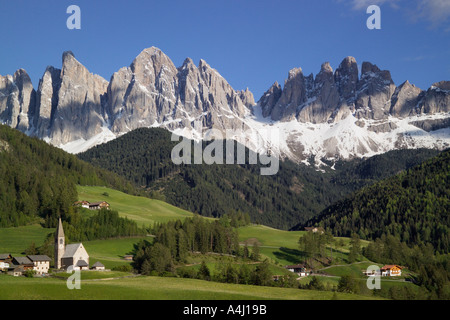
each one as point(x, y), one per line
point(391, 271)
point(299, 269)
point(26, 263)
point(41, 263)
point(128, 257)
point(71, 255)
point(83, 204)
point(16, 271)
point(5, 260)
point(99, 205)
point(19, 265)
point(5, 257)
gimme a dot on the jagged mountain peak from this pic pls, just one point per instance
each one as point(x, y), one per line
point(326, 67)
point(67, 55)
point(295, 72)
point(443, 85)
point(335, 114)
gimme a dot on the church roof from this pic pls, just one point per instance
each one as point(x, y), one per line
point(71, 249)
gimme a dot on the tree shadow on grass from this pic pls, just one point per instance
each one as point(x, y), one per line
point(294, 256)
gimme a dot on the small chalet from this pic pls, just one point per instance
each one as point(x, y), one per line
point(315, 229)
point(83, 204)
point(128, 257)
point(391, 271)
point(41, 263)
point(299, 269)
point(98, 266)
point(99, 205)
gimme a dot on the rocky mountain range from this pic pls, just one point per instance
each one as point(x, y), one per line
point(335, 114)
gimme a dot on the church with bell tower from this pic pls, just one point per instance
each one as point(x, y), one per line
point(71, 255)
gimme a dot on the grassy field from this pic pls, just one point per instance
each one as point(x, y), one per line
point(110, 252)
point(154, 288)
point(267, 236)
point(281, 247)
point(16, 240)
point(143, 210)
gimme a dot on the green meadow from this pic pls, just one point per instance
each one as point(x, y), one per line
point(153, 288)
point(143, 210)
point(16, 240)
point(280, 247)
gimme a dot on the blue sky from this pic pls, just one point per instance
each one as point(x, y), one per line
point(252, 43)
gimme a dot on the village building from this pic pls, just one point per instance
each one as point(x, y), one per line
point(41, 263)
point(98, 266)
point(83, 204)
point(391, 271)
point(16, 271)
point(299, 269)
point(26, 263)
point(71, 255)
point(99, 205)
point(5, 257)
point(5, 260)
point(19, 265)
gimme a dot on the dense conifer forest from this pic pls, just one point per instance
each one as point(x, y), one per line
point(292, 196)
point(38, 181)
point(412, 206)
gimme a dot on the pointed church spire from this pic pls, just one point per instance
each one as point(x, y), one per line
point(60, 231)
point(59, 244)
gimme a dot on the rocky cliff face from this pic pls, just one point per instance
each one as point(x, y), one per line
point(153, 92)
point(373, 96)
point(342, 115)
point(17, 100)
point(79, 111)
point(335, 114)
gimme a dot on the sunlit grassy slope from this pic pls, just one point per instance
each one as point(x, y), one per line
point(143, 210)
point(154, 288)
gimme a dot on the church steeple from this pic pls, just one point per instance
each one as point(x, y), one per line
point(60, 244)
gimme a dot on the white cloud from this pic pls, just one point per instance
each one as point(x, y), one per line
point(435, 11)
point(363, 4)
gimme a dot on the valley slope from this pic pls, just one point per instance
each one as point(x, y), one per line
point(292, 196)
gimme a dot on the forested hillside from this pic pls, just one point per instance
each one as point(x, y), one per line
point(37, 181)
point(294, 195)
point(412, 206)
